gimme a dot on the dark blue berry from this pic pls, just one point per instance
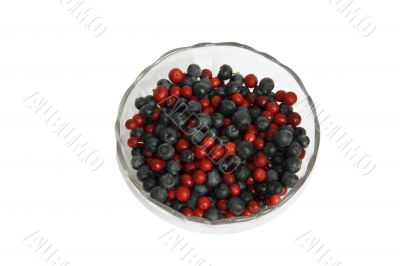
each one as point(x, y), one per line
point(236, 205)
point(225, 72)
point(289, 179)
point(194, 70)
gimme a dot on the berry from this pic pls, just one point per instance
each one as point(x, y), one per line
point(159, 194)
point(203, 203)
point(236, 205)
point(260, 175)
point(250, 80)
point(199, 177)
point(182, 193)
point(290, 98)
point(176, 75)
point(160, 93)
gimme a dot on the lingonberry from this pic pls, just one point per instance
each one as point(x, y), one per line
point(203, 203)
point(176, 75)
point(182, 193)
point(290, 98)
point(250, 80)
point(199, 177)
point(160, 93)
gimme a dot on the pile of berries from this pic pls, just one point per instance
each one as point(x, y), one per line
point(216, 146)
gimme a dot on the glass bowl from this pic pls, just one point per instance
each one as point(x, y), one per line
point(212, 55)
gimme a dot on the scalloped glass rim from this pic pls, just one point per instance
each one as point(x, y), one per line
point(224, 225)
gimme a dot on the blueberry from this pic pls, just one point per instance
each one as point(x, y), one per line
point(285, 109)
point(272, 175)
point(278, 158)
point(287, 127)
point(232, 132)
point(189, 81)
point(166, 151)
point(136, 151)
point(137, 161)
point(149, 183)
point(146, 110)
point(245, 150)
point(294, 149)
point(203, 120)
point(292, 164)
point(244, 91)
point(220, 91)
point(266, 85)
point(227, 107)
point(225, 72)
point(262, 123)
point(271, 96)
point(164, 82)
point(195, 135)
point(169, 135)
point(194, 70)
point(143, 172)
point(150, 100)
point(177, 205)
point(242, 173)
point(303, 140)
point(246, 196)
point(200, 189)
point(194, 106)
point(159, 193)
point(137, 132)
point(187, 156)
point(254, 112)
point(217, 120)
point(212, 214)
point(151, 144)
point(289, 179)
point(139, 102)
point(269, 149)
point(262, 189)
point(192, 202)
point(201, 88)
point(298, 131)
point(167, 181)
point(221, 191)
point(275, 188)
point(283, 138)
point(158, 130)
point(278, 168)
point(213, 178)
point(233, 87)
point(173, 167)
point(229, 163)
point(241, 119)
point(238, 78)
point(236, 205)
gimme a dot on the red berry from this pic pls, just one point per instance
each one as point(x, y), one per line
point(259, 143)
point(260, 160)
point(187, 212)
point(251, 97)
point(250, 80)
point(272, 107)
point(237, 98)
point(199, 177)
point(149, 128)
point(280, 119)
point(187, 180)
point(171, 194)
point(227, 122)
point(268, 115)
point(234, 190)
point(182, 144)
point(293, 119)
point(215, 82)
point(176, 75)
point(284, 190)
point(186, 91)
point(133, 142)
point(273, 200)
point(160, 93)
point(208, 141)
point(253, 206)
point(261, 101)
point(246, 212)
point(190, 167)
point(280, 95)
point(206, 165)
point(204, 103)
point(229, 215)
point(222, 204)
point(198, 212)
point(206, 73)
point(217, 151)
point(290, 98)
point(216, 100)
point(250, 137)
point(208, 110)
point(175, 91)
point(200, 152)
point(157, 165)
point(203, 203)
point(156, 114)
point(260, 175)
point(302, 154)
point(182, 193)
point(229, 179)
point(131, 124)
point(250, 181)
point(230, 148)
point(138, 118)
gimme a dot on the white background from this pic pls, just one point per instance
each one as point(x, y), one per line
point(92, 218)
